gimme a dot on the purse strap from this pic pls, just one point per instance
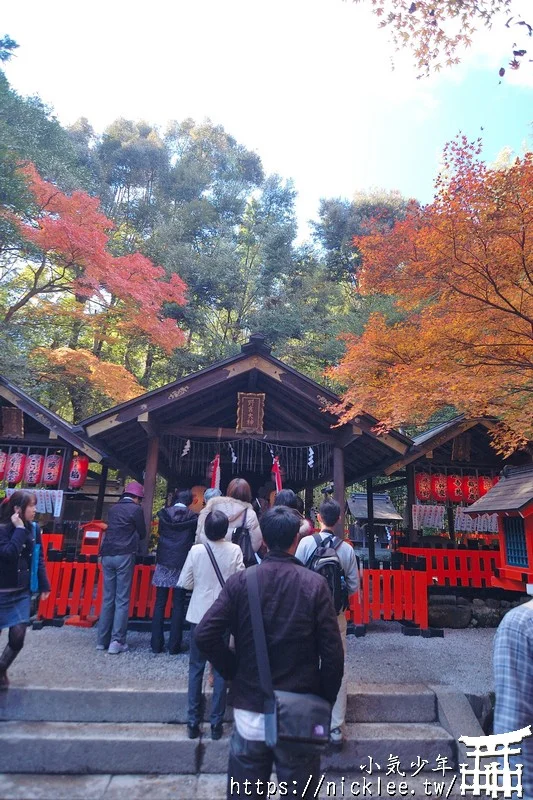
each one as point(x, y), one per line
point(215, 565)
point(258, 628)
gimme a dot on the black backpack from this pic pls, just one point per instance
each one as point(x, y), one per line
point(241, 536)
point(325, 560)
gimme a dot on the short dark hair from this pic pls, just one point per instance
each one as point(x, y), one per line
point(216, 525)
point(184, 496)
point(285, 497)
point(330, 512)
point(279, 526)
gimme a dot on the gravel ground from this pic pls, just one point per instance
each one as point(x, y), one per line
point(67, 657)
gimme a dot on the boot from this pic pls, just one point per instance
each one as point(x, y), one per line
point(7, 658)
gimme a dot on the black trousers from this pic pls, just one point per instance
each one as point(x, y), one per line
point(176, 619)
point(251, 762)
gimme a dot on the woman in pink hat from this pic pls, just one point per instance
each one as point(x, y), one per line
point(125, 528)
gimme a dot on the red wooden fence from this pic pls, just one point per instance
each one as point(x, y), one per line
point(468, 568)
point(391, 594)
point(76, 590)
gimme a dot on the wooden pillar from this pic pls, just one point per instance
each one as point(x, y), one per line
point(410, 472)
point(101, 492)
point(370, 524)
point(451, 522)
point(338, 486)
point(150, 475)
point(308, 501)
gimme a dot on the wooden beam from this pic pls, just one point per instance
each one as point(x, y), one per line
point(191, 432)
point(381, 487)
point(101, 493)
point(432, 444)
point(338, 487)
point(347, 434)
point(371, 544)
point(150, 476)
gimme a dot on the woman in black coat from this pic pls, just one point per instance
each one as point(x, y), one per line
point(18, 536)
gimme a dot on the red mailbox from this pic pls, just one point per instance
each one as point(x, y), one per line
point(93, 533)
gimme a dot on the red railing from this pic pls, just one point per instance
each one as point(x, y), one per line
point(468, 568)
point(391, 594)
point(76, 590)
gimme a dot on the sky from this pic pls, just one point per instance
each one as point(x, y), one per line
point(307, 84)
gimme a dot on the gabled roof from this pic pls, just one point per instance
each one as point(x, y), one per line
point(384, 510)
point(513, 492)
point(441, 437)
point(45, 420)
point(294, 404)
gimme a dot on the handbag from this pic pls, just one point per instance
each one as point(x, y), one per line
point(291, 718)
point(215, 565)
point(241, 536)
point(34, 569)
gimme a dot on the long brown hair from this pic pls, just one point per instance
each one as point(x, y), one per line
point(239, 489)
point(21, 499)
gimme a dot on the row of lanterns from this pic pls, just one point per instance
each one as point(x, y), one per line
point(36, 469)
point(456, 488)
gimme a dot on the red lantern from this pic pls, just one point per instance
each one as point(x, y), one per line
point(484, 484)
point(470, 488)
point(52, 469)
point(423, 486)
point(455, 488)
point(33, 471)
point(438, 487)
point(15, 467)
point(79, 466)
point(3, 464)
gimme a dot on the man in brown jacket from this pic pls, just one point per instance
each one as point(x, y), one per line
point(305, 653)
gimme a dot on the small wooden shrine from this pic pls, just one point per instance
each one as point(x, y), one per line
point(511, 500)
point(238, 416)
point(42, 452)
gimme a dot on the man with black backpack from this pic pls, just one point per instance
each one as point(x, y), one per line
point(335, 560)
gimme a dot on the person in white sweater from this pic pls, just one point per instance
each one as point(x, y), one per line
point(205, 571)
point(237, 506)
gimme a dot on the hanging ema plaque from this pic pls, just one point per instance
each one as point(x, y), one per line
point(12, 423)
point(250, 412)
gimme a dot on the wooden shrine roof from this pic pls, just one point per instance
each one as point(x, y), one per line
point(42, 426)
point(513, 492)
point(204, 406)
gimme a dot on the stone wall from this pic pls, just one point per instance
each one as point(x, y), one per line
point(455, 611)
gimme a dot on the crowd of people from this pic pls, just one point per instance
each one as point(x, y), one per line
point(210, 555)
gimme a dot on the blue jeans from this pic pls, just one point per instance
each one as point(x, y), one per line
point(196, 673)
point(176, 620)
point(253, 761)
point(118, 576)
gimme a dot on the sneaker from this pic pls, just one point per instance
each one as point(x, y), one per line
point(336, 738)
point(116, 647)
point(101, 647)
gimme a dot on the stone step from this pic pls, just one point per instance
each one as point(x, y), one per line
point(213, 787)
point(366, 703)
point(158, 748)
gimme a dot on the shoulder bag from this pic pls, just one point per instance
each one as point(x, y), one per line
point(291, 718)
point(215, 565)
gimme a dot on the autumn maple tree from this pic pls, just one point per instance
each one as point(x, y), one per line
point(436, 31)
point(57, 264)
point(461, 273)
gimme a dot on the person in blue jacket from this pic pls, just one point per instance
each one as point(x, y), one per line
point(22, 570)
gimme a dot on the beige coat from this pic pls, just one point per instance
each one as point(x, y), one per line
point(199, 575)
point(234, 510)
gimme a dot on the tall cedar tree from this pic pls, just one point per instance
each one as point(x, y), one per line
point(461, 272)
